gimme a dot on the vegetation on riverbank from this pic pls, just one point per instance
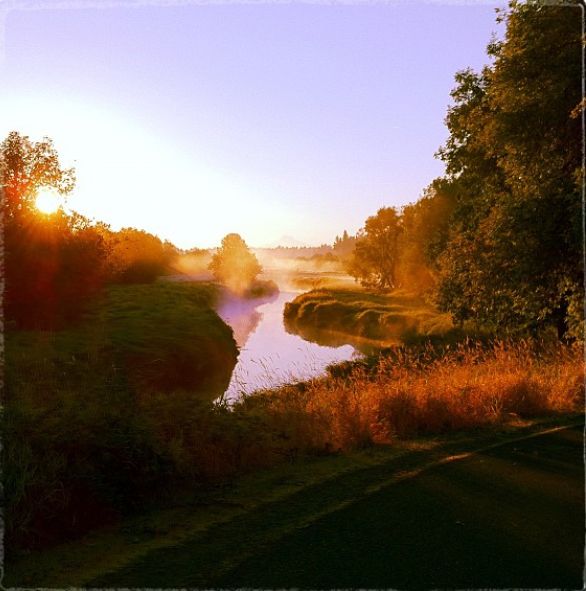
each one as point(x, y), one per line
point(87, 428)
point(381, 318)
point(261, 288)
point(421, 390)
point(93, 431)
point(414, 395)
point(498, 239)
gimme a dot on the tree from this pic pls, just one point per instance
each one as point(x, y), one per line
point(234, 264)
point(136, 256)
point(27, 166)
point(344, 246)
point(52, 264)
point(513, 259)
point(425, 226)
point(376, 252)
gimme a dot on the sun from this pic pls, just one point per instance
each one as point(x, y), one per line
point(47, 201)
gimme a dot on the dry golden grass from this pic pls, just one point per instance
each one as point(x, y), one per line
point(90, 450)
point(420, 393)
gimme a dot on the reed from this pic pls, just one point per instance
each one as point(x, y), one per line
point(417, 392)
point(84, 451)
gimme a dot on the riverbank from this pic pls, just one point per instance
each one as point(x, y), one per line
point(89, 410)
point(378, 319)
point(91, 438)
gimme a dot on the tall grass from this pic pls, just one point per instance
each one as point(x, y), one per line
point(418, 392)
point(88, 452)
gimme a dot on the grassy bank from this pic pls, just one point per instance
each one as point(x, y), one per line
point(89, 411)
point(383, 318)
point(418, 392)
point(95, 431)
point(261, 288)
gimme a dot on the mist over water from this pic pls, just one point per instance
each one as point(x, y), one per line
point(269, 355)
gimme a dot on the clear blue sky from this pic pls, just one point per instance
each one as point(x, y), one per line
point(267, 120)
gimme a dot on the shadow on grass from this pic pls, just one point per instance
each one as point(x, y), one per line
point(492, 520)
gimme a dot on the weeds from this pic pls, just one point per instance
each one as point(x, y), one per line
point(87, 442)
point(417, 392)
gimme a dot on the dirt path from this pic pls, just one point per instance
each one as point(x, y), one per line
point(510, 515)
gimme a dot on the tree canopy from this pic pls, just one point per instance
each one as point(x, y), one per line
point(26, 167)
point(514, 163)
point(376, 250)
point(499, 238)
point(234, 264)
point(52, 264)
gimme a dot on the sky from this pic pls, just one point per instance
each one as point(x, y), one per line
point(192, 121)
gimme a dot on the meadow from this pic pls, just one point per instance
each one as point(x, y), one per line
point(114, 417)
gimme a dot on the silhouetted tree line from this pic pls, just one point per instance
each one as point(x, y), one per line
point(499, 238)
point(54, 264)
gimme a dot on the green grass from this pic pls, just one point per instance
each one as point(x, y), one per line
point(101, 425)
point(89, 411)
point(383, 319)
point(169, 336)
point(202, 541)
point(162, 336)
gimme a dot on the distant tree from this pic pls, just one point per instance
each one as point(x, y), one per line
point(234, 264)
point(197, 252)
point(376, 252)
point(344, 246)
point(425, 227)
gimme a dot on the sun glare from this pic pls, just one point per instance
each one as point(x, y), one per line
point(47, 202)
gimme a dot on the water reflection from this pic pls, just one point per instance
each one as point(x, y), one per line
point(242, 315)
point(269, 355)
point(330, 338)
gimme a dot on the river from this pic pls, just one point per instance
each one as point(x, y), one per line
point(269, 355)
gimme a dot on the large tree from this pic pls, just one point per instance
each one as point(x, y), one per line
point(376, 251)
point(52, 264)
point(25, 168)
point(513, 160)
